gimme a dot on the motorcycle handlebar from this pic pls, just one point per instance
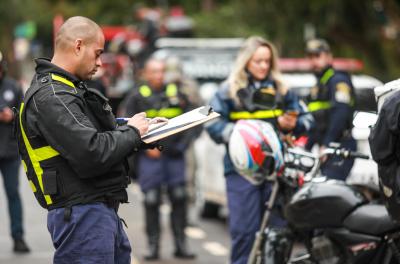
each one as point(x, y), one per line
point(344, 153)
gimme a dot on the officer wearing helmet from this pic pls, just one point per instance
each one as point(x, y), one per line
point(10, 96)
point(253, 90)
point(332, 103)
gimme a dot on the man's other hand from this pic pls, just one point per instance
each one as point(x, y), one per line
point(140, 122)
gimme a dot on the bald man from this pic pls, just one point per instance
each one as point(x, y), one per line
point(74, 153)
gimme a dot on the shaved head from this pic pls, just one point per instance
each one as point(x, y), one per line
point(76, 28)
point(78, 46)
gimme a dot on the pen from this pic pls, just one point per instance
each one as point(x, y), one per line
point(126, 119)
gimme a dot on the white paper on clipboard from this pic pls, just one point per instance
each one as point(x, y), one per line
point(181, 123)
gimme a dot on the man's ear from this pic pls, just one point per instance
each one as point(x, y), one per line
point(78, 46)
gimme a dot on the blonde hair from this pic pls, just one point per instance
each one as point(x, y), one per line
point(238, 77)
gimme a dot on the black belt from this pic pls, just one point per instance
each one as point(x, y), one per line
point(112, 204)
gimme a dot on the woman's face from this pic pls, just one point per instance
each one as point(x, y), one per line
point(260, 63)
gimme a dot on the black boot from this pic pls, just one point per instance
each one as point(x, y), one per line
point(179, 222)
point(152, 215)
point(153, 252)
point(20, 246)
point(181, 250)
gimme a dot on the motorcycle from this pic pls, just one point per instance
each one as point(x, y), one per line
point(334, 221)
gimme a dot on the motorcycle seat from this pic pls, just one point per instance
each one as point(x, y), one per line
point(371, 219)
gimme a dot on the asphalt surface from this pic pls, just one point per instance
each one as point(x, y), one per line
point(209, 239)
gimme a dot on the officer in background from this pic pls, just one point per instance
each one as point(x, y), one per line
point(10, 96)
point(162, 170)
point(332, 103)
point(73, 151)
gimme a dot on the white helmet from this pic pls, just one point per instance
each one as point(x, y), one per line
point(256, 151)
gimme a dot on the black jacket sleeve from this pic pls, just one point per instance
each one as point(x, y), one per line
point(65, 126)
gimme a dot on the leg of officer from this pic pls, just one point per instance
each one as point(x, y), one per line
point(152, 201)
point(87, 234)
point(245, 203)
point(9, 169)
point(151, 174)
point(178, 197)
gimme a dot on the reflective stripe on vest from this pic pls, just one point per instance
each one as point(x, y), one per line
point(322, 105)
point(62, 79)
point(261, 114)
point(326, 77)
point(164, 112)
point(318, 105)
point(170, 91)
point(36, 156)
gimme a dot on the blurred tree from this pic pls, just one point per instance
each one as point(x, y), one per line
point(368, 29)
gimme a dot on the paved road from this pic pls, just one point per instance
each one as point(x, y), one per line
point(208, 239)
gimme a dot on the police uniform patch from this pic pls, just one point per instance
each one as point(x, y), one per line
point(268, 90)
point(342, 94)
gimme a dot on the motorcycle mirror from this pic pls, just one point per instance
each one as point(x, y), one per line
point(364, 120)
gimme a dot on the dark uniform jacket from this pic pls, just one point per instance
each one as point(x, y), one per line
point(169, 102)
point(331, 102)
point(10, 96)
point(71, 147)
point(250, 107)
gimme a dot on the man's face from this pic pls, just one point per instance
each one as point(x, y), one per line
point(89, 57)
point(154, 74)
point(319, 61)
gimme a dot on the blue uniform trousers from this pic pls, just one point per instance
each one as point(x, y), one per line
point(154, 173)
point(94, 234)
point(9, 169)
point(338, 168)
point(246, 204)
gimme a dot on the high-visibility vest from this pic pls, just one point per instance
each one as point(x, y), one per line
point(170, 112)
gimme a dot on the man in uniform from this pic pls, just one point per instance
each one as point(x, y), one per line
point(157, 170)
point(73, 151)
point(332, 103)
point(10, 96)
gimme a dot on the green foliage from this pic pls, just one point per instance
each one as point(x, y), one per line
point(354, 28)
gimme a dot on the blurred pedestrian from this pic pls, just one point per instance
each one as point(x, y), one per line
point(73, 151)
point(11, 96)
point(158, 171)
point(254, 76)
point(332, 103)
point(149, 27)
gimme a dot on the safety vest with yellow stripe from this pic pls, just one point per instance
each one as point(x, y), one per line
point(52, 180)
point(322, 102)
point(259, 114)
point(171, 93)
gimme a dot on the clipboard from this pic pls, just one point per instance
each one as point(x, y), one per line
point(181, 123)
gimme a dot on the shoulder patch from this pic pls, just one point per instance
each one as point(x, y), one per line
point(342, 93)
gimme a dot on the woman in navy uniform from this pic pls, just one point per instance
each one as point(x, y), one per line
point(255, 76)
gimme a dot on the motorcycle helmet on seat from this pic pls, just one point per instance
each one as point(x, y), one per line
point(256, 151)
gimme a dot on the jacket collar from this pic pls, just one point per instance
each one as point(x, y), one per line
point(44, 66)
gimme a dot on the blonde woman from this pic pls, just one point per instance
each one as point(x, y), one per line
point(254, 83)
